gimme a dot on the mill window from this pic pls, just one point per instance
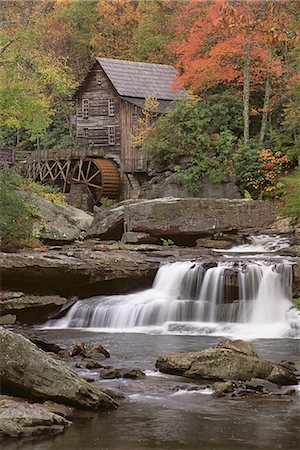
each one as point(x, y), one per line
point(85, 108)
point(85, 132)
point(98, 78)
point(111, 135)
point(111, 107)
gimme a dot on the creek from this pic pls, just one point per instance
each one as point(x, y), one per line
point(189, 307)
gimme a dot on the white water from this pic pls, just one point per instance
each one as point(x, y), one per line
point(241, 299)
point(263, 243)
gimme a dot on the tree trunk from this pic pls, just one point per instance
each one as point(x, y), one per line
point(246, 93)
point(264, 118)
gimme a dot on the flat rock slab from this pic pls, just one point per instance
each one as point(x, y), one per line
point(79, 271)
point(19, 418)
point(34, 374)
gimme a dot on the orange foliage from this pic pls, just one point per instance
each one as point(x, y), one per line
point(212, 37)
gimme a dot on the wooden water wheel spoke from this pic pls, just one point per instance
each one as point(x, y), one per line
point(93, 185)
point(95, 174)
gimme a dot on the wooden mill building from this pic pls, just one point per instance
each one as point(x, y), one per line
point(108, 104)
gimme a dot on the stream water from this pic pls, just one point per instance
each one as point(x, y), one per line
point(189, 307)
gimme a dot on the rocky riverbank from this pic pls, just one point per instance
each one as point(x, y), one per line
point(29, 375)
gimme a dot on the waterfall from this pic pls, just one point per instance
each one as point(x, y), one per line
point(186, 293)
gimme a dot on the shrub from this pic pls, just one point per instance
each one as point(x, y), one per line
point(291, 198)
point(189, 132)
point(15, 212)
point(257, 172)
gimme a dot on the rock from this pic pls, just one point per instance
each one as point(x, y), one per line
point(27, 306)
point(133, 373)
point(108, 224)
point(84, 272)
point(288, 391)
point(8, 319)
point(64, 309)
point(44, 345)
point(116, 395)
point(29, 371)
point(222, 388)
point(110, 374)
point(58, 223)
point(296, 279)
point(78, 349)
point(93, 365)
point(221, 363)
point(97, 349)
point(139, 238)
point(213, 243)
point(238, 346)
point(19, 418)
point(168, 184)
point(261, 385)
point(194, 216)
point(57, 408)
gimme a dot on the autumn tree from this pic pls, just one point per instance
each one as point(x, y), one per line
point(32, 76)
point(114, 28)
point(221, 44)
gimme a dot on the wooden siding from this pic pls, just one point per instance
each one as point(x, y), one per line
point(132, 159)
point(93, 130)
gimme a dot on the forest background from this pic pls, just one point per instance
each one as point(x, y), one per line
point(238, 59)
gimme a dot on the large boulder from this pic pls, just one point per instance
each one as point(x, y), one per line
point(230, 361)
point(163, 217)
point(58, 223)
point(34, 374)
point(19, 418)
point(196, 216)
point(109, 223)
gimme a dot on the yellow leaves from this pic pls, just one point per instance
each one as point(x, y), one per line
point(115, 25)
point(145, 123)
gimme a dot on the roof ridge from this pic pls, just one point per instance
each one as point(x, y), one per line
point(98, 58)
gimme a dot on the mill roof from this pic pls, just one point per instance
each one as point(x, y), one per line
point(138, 79)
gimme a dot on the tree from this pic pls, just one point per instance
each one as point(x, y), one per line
point(221, 44)
point(154, 31)
point(33, 77)
point(113, 33)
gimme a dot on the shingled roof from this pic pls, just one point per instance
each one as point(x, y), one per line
point(137, 79)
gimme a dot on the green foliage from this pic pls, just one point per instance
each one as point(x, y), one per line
point(15, 212)
point(167, 242)
point(188, 132)
point(106, 202)
point(291, 198)
point(154, 31)
point(46, 192)
point(22, 107)
point(296, 305)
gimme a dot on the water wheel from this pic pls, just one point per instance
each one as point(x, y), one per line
point(100, 176)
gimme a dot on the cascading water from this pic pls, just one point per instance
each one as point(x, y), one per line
point(230, 298)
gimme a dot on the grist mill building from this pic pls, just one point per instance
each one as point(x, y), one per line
point(108, 104)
